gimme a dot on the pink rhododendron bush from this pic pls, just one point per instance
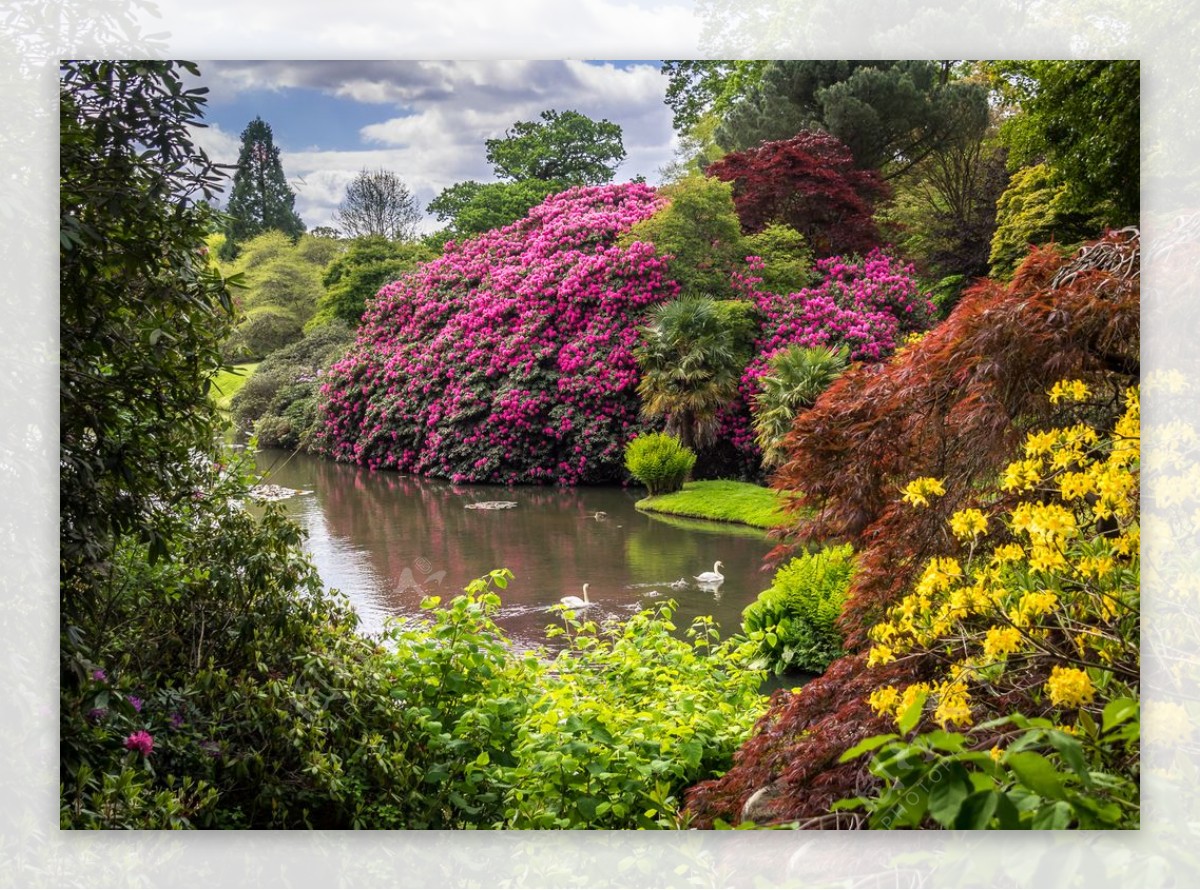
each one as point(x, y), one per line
point(510, 358)
point(868, 305)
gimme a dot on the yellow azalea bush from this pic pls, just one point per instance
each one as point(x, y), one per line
point(1049, 612)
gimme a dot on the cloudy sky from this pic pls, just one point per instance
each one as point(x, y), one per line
point(426, 121)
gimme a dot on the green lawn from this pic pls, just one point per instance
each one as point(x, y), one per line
point(721, 500)
point(226, 383)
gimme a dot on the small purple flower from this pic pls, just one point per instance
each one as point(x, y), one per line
point(97, 714)
point(176, 720)
point(136, 702)
point(140, 741)
point(99, 674)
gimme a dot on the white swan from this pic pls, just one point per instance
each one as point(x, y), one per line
point(575, 602)
point(713, 577)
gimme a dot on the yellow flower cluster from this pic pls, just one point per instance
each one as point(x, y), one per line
point(1022, 475)
point(1069, 687)
point(1072, 390)
point(999, 642)
point(1060, 573)
point(967, 524)
point(920, 490)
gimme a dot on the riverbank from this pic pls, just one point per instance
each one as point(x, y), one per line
point(722, 500)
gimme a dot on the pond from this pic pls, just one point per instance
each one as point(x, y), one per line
point(387, 541)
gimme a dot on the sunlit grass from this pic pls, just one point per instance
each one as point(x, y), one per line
point(226, 383)
point(722, 500)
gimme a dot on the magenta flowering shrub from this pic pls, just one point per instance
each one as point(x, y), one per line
point(510, 358)
point(869, 305)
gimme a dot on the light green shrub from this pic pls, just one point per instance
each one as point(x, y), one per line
point(794, 622)
point(659, 462)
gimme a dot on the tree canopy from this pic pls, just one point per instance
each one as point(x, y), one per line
point(810, 183)
point(564, 147)
point(1084, 119)
point(889, 114)
point(470, 208)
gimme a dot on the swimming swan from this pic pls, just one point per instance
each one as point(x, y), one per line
point(713, 577)
point(575, 602)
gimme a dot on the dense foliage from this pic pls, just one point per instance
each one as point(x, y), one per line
point(356, 275)
point(279, 403)
point(182, 700)
point(509, 358)
point(279, 288)
point(142, 312)
point(1084, 119)
point(793, 623)
point(565, 147)
point(810, 183)
point(1035, 209)
point(471, 208)
point(891, 114)
point(941, 422)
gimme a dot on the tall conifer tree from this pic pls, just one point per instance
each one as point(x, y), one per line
point(260, 199)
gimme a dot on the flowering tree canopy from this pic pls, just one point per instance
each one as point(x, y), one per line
point(510, 358)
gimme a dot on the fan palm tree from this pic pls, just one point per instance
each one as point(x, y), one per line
point(798, 375)
point(691, 362)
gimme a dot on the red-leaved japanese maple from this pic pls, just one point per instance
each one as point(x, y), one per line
point(810, 183)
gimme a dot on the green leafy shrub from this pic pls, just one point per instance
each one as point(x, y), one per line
point(787, 261)
point(1035, 775)
point(1036, 208)
point(699, 230)
point(228, 689)
point(606, 734)
point(357, 275)
point(280, 400)
point(626, 718)
point(794, 621)
point(659, 462)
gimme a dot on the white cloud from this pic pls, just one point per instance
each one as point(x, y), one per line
point(434, 117)
point(220, 146)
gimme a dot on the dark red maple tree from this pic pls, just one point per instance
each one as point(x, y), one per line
point(810, 183)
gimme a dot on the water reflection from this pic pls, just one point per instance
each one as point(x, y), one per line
point(387, 541)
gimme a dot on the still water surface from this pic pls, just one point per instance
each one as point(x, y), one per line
point(387, 541)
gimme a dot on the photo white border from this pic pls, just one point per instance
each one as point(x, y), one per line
point(32, 850)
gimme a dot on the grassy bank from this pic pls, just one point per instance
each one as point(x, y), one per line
point(723, 501)
point(226, 383)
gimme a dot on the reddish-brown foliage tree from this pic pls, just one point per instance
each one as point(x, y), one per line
point(810, 183)
point(955, 406)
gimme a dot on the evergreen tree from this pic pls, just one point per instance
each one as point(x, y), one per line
point(260, 199)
